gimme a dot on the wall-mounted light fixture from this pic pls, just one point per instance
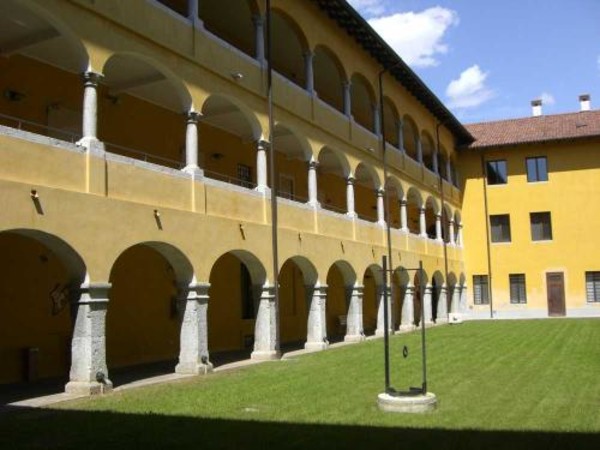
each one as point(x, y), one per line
point(34, 194)
point(217, 156)
point(13, 96)
point(157, 218)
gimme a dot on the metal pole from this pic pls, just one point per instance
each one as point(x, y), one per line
point(272, 170)
point(386, 338)
point(423, 344)
point(442, 198)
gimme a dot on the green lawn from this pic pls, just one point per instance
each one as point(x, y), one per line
point(506, 384)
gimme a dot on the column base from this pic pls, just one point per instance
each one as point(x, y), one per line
point(351, 215)
point(407, 328)
point(380, 333)
point(316, 345)
point(441, 321)
point(193, 170)
point(93, 144)
point(270, 355)
point(88, 387)
point(354, 338)
point(193, 368)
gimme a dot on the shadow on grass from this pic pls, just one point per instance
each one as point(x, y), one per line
point(35, 428)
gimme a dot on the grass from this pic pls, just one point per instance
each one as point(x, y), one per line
point(506, 384)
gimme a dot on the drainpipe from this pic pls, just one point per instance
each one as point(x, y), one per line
point(442, 199)
point(487, 234)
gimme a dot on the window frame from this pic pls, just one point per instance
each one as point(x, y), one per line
point(479, 282)
point(535, 177)
point(517, 281)
point(505, 240)
point(488, 173)
point(595, 274)
point(544, 226)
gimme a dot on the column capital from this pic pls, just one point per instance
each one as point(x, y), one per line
point(192, 117)
point(313, 164)
point(267, 292)
point(91, 79)
point(308, 54)
point(195, 291)
point(262, 144)
point(380, 192)
point(319, 291)
point(403, 202)
point(258, 19)
point(350, 180)
point(357, 289)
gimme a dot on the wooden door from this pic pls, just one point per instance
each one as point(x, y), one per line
point(555, 286)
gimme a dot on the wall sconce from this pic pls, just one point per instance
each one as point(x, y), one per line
point(157, 218)
point(157, 213)
point(217, 156)
point(237, 76)
point(13, 96)
point(35, 197)
point(34, 194)
point(114, 99)
point(243, 231)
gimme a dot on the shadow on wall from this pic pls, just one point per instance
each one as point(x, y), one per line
point(27, 428)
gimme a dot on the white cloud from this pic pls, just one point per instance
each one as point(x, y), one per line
point(469, 89)
point(368, 7)
point(547, 99)
point(416, 36)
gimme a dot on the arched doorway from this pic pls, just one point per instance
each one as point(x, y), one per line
point(341, 279)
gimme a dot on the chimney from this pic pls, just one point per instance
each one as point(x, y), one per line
point(584, 102)
point(536, 107)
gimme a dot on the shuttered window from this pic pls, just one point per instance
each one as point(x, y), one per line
point(592, 286)
point(518, 291)
point(480, 290)
point(541, 226)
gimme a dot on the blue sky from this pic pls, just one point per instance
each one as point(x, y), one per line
point(487, 59)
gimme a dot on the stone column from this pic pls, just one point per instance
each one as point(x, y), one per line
point(401, 136)
point(436, 168)
point(403, 216)
point(380, 316)
point(354, 318)
point(438, 227)
point(380, 207)
point(312, 183)
point(459, 240)
point(316, 338)
point(455, 302)
point(259, 37)
point(407, 322)
point(462, 304)
point(376, 120)
point(427, 305)
point(193, 341)
point(193, 13)
point(419, 146)
point(449, 171)
point(89, 373)
point(350, 197)
point(266, 335)
point(261, 166)
point(442, 309)
point(451, 239)
point(91, 81)
point(309, 72)
point(346, 85)
point(422, 223)
point(191, 143)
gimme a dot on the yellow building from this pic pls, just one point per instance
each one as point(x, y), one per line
point(137, 222)
point(530, 206)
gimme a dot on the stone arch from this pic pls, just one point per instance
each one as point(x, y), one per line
point(330, 75)
point(372, 292)
point(290, 47)
point(428, 149)
point(231, 115)
point(414, 203)
point(432, 209)
point(341, 279)
point(367, 183)
point(391, 121)
point(395, 194)
point(293, 152)
point(333, 173)
point(410, 136)
point(437, 289)
point(40, 286)
point(149, 285)
point(363, 101)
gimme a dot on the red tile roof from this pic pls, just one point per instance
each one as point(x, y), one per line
point(558, 127)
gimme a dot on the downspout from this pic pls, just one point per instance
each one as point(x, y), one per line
point(487, 234)
point(442, 198)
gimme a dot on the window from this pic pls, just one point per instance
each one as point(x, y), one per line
point(246, 293)
point(592, 286)
point(518, 292)
point(536, 169)
point(541, 226)
point(244, 174)
point(496, 172)
point(480, 290)
point(500, 228)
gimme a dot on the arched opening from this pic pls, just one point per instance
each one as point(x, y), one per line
point(420, 283)
point(363, 101)
point(36, 46)
point(437, 283)
point(39, 288)
point(340, 280)
point(446, 217)
point(443, 160)
point(292, 156)
point(413, 210)
point(431, 211)
point(228, 135)
point(401, 279)
point(236, 282)
point(332, 179)
point(365, 192)
point(410, 136)
point(145, 309)
point(140, 110)
point(329, 77)
point(289, 48)
point(452, 293)
point(297, 279)
point(395, 194)
point(372, 295)
point(236, 29)
point(428, 148)
point(391, 122)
